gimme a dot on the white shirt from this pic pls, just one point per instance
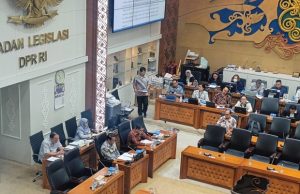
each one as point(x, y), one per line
point(200, 95)
point(47, 147)
point(297, 95)
point(247, 106)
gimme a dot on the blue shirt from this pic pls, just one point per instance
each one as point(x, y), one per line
point(177, 90)
point(282, 90)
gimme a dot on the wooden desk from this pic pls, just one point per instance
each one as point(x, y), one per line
point(114, 184)
point(221, 170)
point(210, 116)
point(192, 115)
point(177, 112)
point(88, 155)
point(284, 181)
point(135, 173)
point(161, 153)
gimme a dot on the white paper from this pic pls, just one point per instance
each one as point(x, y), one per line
point(52, 159)
point(125, 157)
point(69, 147)
point(146, 141)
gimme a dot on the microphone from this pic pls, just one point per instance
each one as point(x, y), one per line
point(131, 148)
point(273, 160)
point(103, 164)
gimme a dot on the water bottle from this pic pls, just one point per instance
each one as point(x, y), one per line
point(117, 169)
point(180, 99)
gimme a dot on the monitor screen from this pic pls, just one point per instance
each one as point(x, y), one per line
point(132, 13)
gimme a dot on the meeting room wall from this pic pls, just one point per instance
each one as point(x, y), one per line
point(32, 87)
point(192, 34)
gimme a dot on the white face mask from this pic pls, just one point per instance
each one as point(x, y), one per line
point(235, 80)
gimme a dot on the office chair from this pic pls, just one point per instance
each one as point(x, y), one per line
point(280, 127)
point(123, 130)
point(261, 119)
point(139, 121)
point(58, 178)
point(252, 101)
point(36, 142)
point(290, 155)
point(269, 105)
point(250, 184)
point(297, 132)
point(75, 166)
point(265, 148)
point(71, 127)
point(244, 81)
point(59, 129)
point(287, 106)
point(89, 116)
point(99, 140)
point(240, 141)
point(213, 138)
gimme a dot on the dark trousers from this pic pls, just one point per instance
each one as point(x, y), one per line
point(142, 104)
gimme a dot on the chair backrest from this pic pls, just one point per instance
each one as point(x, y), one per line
point(59, 129)
point(252, 101)
point(291, 150)
point(287, 88)
point(243, 81)
point(269, 105)
point(240, 139)
point(36, 142)
point(89, 116)
point(287, 106)
point(139, 121)
point(214, 135)
point(297, 132)
point(262, 81)
point(266, 144)
point(124, 129)
point(57, 174)
point(99, 140)
point(73, 163)
point(71, 127)
point(280, 127)
point(262, 119)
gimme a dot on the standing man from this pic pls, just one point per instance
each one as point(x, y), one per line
point(141, 87)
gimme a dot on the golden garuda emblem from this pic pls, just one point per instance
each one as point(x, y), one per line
point(37, 12)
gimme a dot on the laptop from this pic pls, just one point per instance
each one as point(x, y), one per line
point(271, 93)
point(241, 110)
point(210, 104)
point(193, 101)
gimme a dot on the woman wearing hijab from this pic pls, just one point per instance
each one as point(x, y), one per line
point(188, 78)
point(83, 131)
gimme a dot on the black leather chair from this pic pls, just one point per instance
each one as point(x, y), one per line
point(58, 178)
point(287, 106)
point(75, 167)
point(297, 132)
point(213, 138)
point(252, 101)
point(123, 130)
point(250, 184)
point(36, 142)
point(240, 141)
point(59, 129)
point(262, 119)
point(99, 140)
point(71, 127)
point(269, 105)
point(265, 148)
point(89, 116)
point(280, 127)
point(290, 155)
point(139, 121)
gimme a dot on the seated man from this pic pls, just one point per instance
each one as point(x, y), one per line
point(83, 131)
point(109, 148)
point(244, 103)
point(51, 146)
point(228, 122)
point(280, 89)
point(291, 113)
point(136, 135)
point(175, 89)
point(200, 94)
point(222, 98)
point(258, 87)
